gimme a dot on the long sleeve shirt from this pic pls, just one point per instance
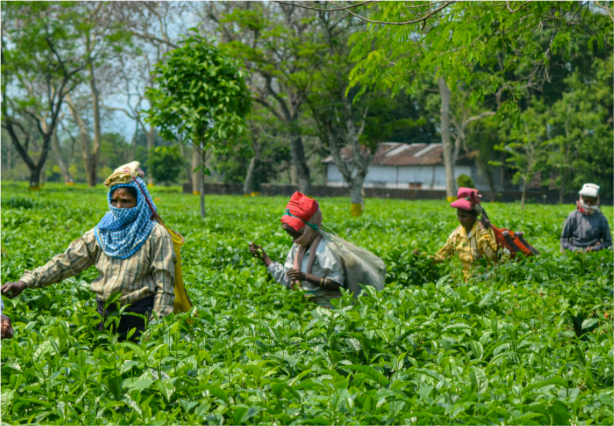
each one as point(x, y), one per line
point(470, 247)
point(326, 265)
point(581, 231)
point(149, 271)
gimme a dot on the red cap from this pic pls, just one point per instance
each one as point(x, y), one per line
point(302, 207)
point(467, 199)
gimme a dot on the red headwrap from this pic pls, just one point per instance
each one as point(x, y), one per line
point(302, 207)
point(468, 198)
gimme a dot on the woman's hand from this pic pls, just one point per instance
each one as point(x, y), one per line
point(7, 328)
point(259, 253)
point(12, 290)
point(296, 275)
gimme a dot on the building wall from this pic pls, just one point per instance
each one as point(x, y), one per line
point(403, 177)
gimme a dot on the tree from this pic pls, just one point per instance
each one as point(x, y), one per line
point(101, 37)
point(276, 43)
point(461, 115)
point(267, 155)
point(55, 144)
point(580, 130)
point(341, 122)
point(200, 98)
point(526, 147)
point(461, 43)
point(165, 163)
point(40, 67)
point(151, 25)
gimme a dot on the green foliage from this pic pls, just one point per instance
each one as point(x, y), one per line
point(465, 181)
point(165, 163)
point(199, 96)
point(469, 43)
point(263, 42)
point(581, 129)
point(429, 349)
point(526, 144)
point(38, 47)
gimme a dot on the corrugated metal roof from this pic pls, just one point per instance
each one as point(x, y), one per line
point(401, 154)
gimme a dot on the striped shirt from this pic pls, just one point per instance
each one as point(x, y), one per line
point(150, 271)
point(479, 243)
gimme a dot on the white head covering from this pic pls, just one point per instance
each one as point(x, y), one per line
point(590, 190)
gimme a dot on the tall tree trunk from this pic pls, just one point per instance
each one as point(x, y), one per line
point(457, 148)
point(151, 134)
point(92, 175)
point(448, 156)
point(202, 191)
point(8, 157)
point(35, 178)
point(249, 186)
point(564, 172)
point(43, 174)
point(85, 142)
point(300, 163)
point(356, 200)
point(491, 184)
point(34, 167)
point(188, 170)
point(134, 138)
point(196, 175)
point(524, 192)
point(55, 145)
point(562, 193)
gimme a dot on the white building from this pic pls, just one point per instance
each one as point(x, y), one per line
point(408, 166)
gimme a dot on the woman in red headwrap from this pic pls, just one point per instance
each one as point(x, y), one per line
point(470, 240)
point(311, 266)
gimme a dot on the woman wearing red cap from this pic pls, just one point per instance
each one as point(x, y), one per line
point(471, 241)
point(311, 265)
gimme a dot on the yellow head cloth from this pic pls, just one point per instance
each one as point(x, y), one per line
point(124, 174)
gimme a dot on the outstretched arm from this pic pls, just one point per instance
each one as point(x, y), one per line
point(276, 269)
point(80, 255)
point(446, 251)
point(259, 253)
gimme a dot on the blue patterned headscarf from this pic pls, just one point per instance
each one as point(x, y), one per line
point(121, 232)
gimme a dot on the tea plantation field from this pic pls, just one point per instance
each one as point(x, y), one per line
point(527, 343)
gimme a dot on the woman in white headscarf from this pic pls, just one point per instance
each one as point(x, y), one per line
point(586, 228)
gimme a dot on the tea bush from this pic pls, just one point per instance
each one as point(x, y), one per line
point(519, 343)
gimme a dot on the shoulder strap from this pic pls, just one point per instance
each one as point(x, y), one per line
point(485, 219)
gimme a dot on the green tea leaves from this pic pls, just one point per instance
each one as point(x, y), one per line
point(517, 343)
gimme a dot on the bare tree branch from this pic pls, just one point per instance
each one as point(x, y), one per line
point(607, 9)
point(520, 7)
point(327, 10)
point(413, 21)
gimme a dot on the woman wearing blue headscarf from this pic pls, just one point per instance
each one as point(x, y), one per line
point(131, 250)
